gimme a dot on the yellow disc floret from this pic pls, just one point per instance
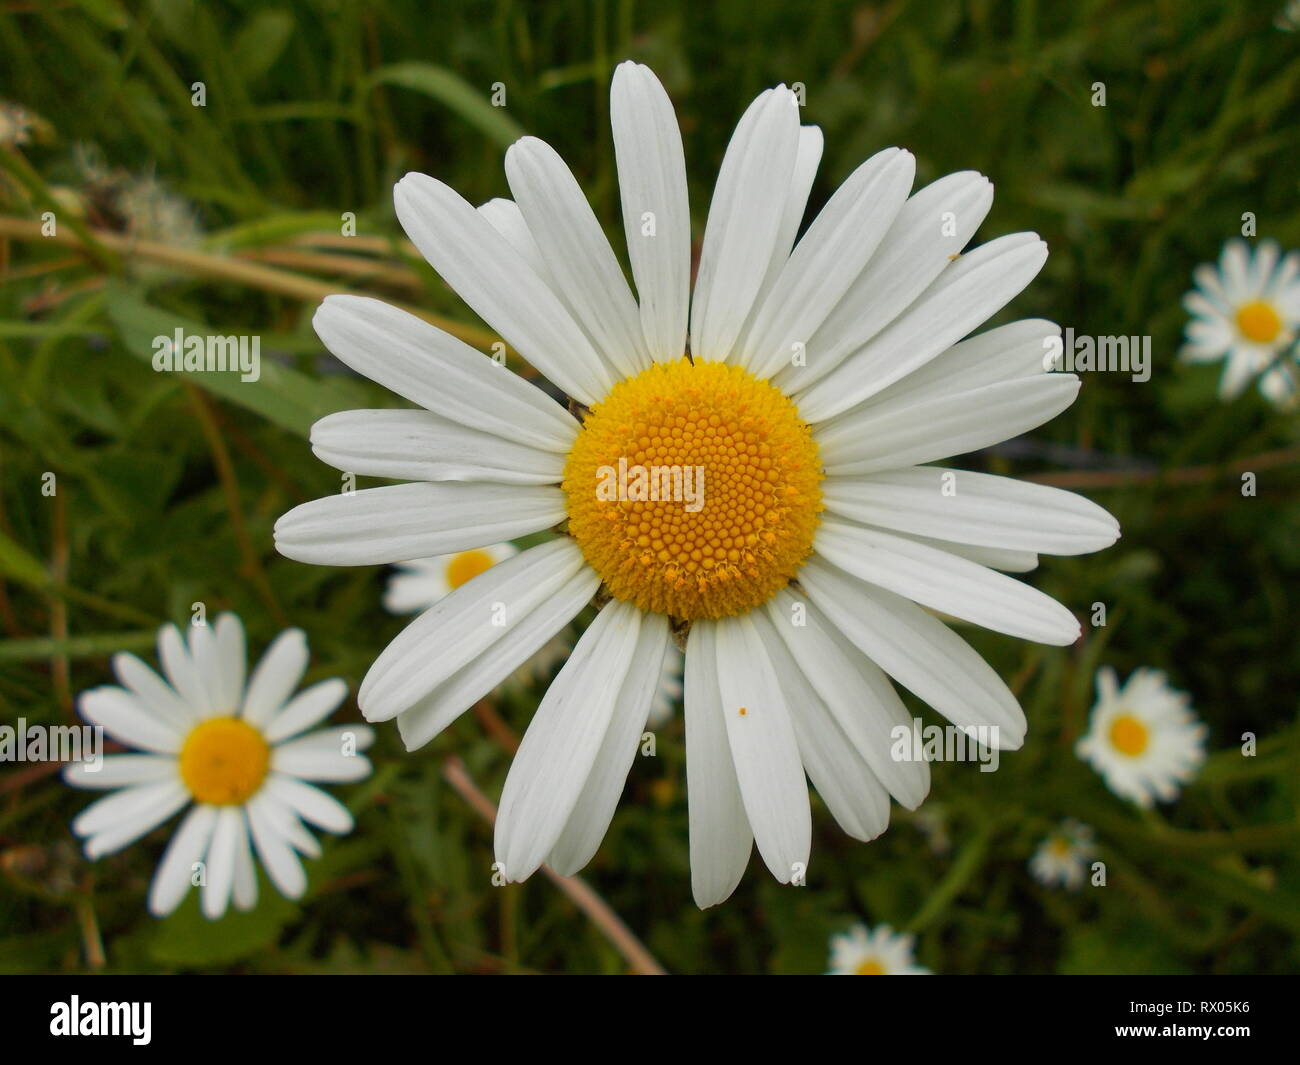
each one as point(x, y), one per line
point(467, 565)
point(694, 490)
point(224, 761)
point(1128, 735)
point(1259, 321)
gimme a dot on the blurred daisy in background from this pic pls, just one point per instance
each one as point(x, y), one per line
point(876, 952)
point(932, 822)
point(238, 754)
point(1245, 312)
point(1064, 856)
point(1143, 738)
point(421, 582)
point(812, 381)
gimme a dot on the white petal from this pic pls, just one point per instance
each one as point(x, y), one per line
point(323, 756)
point(489, 275)
point(581, 266)
point(514, 645)
point(652, 179)
point(307, 708)
point(463, 625)
point(120, 770)
point(282, 865)
point(181, 672)
point(826, 260)
point(124, 718)
point(744, 221)
point(918, 651)
point(223, 854)
point(763, 749)
point(508, 220)
point(159, 697)
point(288, 826)
point(967, 293)
point(310, 803)
point(400, 522)
point(415, 445)
point(943, 581)
point(276, 676)
point(1001, 558)
point(232, 653)
point(843, 778)
point(807, 158)
point(207, 667)
point(918, 246)
point(440, 373)
point(1006, 353)
point(594, 809)
point(558, 751)
point(188, 846)
point(244, 891)
point(125, 816)
point(720, 837)
point(891, 435)
point(859, 697)
point(974, 508)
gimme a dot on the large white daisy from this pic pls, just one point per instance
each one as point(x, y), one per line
point(1246, 312)
point(238, 754)
point(1143, 738)
point(809, 379)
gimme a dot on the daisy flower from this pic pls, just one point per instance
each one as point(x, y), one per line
point(876, 952)
point(1143, 738)
point(237, 754)
point(1245, 313)
point(421, 582)
point(801, 386)
point(1064, 856)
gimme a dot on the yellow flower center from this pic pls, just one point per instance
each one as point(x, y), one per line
point(1258, 321)
point(1060, 846)
point(1128, 735)
point(694, 490)
point(224, 761)
point(464, 567)
point(870, 967)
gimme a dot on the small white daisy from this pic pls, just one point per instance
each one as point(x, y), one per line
point(1064, 856)
point(237, 754)
point(421, 582)
point(810, 380)
point(668, 692)
point(1143, 739)
point(1245, 312)
point(878, 952)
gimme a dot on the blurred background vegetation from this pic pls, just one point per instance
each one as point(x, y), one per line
point(226, 219)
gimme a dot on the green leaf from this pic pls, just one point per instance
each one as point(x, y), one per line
point(16, 564)
point(450, 89)
point(260, 43)
point(188, 939)
point(89, 646)
point(281, 395)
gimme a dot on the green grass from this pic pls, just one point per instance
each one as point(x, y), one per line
point(315, 109)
